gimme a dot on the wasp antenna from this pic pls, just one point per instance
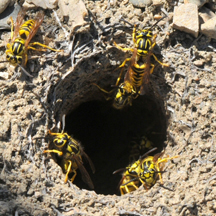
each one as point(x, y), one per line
point(119, 170)
point(148, 152)
point(157, 22)
point(25, 71)
point(130, 181)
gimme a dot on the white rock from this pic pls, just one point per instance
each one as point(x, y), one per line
point(185, 18)
point(75, 10)
point(45, 4)
point(140, 3)
point(4, 75)
point(209, 28)
point(199, 3)
point(3, 5)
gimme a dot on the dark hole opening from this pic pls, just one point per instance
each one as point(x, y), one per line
point(106, 135)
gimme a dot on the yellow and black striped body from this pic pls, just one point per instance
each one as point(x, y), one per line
point(129, 90)
point(69, 157)
point(15, 54)
point(149, 172)
point(144, 171)
point(130, 181)
point(21, 35)
point(17, 49)
point(69, 148)
point(26, 28)
point(72, 148)
point(143, 41)
point(136, 72)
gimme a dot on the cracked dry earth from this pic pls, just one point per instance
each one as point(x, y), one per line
point(32, 183)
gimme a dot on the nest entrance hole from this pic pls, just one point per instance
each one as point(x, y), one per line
point(106, 135)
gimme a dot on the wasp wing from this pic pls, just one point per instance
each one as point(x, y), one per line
point(129, 73)
point(38, 21)
point(146, 75)
point(158, 155)
point(89, 160)
point(85, 176)
point(148, 152)
point(19, 21)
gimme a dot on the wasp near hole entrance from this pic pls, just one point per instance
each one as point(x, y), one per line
point(143, 171)
point(139, 70)
point(70, 153)
point(21, 35)
point(137, 148)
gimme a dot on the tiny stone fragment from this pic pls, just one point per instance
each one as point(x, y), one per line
point(199, 62)
point(209, 28)
point(4, 75)
point(140, 3)
point(185, 18)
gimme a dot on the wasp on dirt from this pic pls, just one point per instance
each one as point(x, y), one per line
point(21, 35)
point(137, 76)
point(70, 153)
point(144, 171)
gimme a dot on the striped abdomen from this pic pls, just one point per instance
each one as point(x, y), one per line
point(26, 28)
point(136, 74)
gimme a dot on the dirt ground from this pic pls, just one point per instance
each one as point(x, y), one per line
point(177, 114)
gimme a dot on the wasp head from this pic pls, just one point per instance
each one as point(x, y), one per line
point(14, 59)
point(124, 95)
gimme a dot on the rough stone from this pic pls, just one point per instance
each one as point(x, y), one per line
point(182, 18)
point(75, 11)
point(205, 14)
point(199, 3)
point(140, 3)
point(209, 28)
point(10, 12)
point(45, 4)
point(3, 5)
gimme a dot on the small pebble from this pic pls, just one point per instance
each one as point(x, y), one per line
point(3, 5)
point(199, 62)
point(140, 3)
point(209, 28)
point(4, 75)
point(185, 18)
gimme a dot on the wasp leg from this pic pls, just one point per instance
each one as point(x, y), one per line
point(12, 27)
point(125, 187)
point(144, 184)
point(134, 34)
point(164, 160)
point(103, 90)
point(68, 171)
point(26, 59)
point(54, 134)
point(54, 151)
point(163, 64)
point(43, 45)
point(152, 68)
point(124, 49)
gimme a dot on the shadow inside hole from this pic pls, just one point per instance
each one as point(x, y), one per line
point(106, 135)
